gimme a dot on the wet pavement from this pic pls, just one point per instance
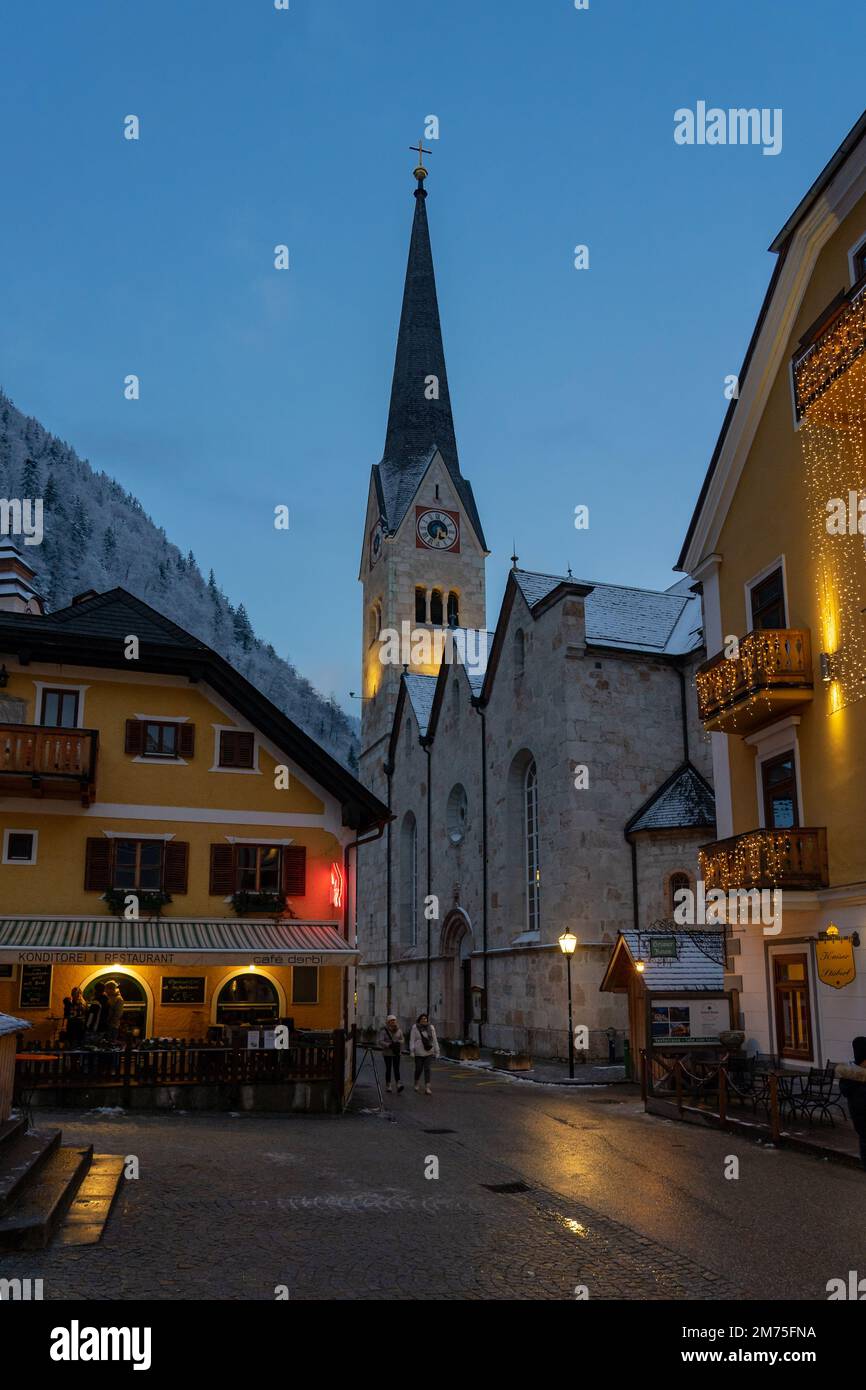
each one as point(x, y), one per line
point(542, 1193)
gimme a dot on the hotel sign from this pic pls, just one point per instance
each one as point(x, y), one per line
point(835, 960)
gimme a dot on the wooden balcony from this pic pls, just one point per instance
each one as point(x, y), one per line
point(772, 674)
point(36, 761)
point(786, 859)
point(831, 359)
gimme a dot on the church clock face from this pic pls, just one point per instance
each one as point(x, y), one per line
point(436, 529)
point(377, 537)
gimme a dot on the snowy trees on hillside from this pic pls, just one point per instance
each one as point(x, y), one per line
point(98, 536)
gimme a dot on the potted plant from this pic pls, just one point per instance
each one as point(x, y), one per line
point(151, 900)
point(245, 902)
point(504, 1060)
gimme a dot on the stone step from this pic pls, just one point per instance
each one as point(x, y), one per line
point(21, 1158)
point(38, 1210)
point(9, 1128)
point(87, 1216)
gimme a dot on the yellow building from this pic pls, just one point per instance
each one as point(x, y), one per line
point(777, 543)
point(162, 824)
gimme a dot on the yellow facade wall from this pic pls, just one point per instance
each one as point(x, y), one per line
point(140, 798)
point(172, 1020)
point(769, 516)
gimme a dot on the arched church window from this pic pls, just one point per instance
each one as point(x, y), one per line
point(420, 605)
point(436, 607)
point(457, 813)
point(453, 609)
point(533, 870)
point(519, 652)
point(409, 879)
point(676, 885)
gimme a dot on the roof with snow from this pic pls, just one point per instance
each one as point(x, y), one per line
point(684, 802)
point(643, 620)
point(421, 690)
point(696, 964)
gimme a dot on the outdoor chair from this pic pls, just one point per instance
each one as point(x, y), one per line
point(819, 1094)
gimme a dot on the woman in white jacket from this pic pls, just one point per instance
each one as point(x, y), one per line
point(424, 1046)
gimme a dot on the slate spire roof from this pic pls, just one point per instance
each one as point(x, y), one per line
point(418, 426)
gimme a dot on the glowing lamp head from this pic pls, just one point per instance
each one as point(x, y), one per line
point(832, 930)
point(639, 966)
point(567, 943)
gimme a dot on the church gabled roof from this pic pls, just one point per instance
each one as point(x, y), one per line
point(642, 620)
point(684, 802)
point(419, 420)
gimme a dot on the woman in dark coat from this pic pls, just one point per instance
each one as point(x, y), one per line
point(852, 1084)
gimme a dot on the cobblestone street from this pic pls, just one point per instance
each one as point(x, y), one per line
point(607, 1198)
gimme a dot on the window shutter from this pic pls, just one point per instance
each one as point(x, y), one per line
point(222, 870)
point(186, 740)
point(295, 871)
point(97, 865)
point(134, 736)
point(175, 871)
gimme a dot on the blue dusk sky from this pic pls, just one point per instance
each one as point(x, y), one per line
point(258, 387)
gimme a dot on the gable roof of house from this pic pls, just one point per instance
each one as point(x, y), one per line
point(684, 802)
point(92, 632)
point(781, 246)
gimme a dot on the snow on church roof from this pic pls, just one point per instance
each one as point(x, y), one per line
point(645, 620)
point(685, 801)
point(421, 690)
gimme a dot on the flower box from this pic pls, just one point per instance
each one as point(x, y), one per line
point(511, 1061)
point(245, 902)
point(460, 1050)
point(149, 900)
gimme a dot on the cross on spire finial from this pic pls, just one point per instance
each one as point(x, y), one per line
point(420, 171)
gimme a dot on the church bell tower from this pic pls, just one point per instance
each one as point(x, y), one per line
point(423, 556)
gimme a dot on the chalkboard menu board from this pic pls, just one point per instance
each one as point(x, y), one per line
point(183, 989)
point(35, 987)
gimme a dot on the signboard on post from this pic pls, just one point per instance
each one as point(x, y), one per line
point(689, 1022)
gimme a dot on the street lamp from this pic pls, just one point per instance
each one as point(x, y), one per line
point(567, 943)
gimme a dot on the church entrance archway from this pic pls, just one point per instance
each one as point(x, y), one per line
point(457, 945)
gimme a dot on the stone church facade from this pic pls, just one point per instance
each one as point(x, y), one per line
point(554, 780)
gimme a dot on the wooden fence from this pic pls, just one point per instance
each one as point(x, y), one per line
point(182, 1063)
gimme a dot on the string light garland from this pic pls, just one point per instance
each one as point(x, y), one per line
point(830, 382)
point(742, 686)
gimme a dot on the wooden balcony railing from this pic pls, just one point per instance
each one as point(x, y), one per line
point(37, 761)
point(792, 859)
point(828, 350)
point(772, 672)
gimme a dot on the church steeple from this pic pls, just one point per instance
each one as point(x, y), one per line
point(419, 417)
point(420, 413)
